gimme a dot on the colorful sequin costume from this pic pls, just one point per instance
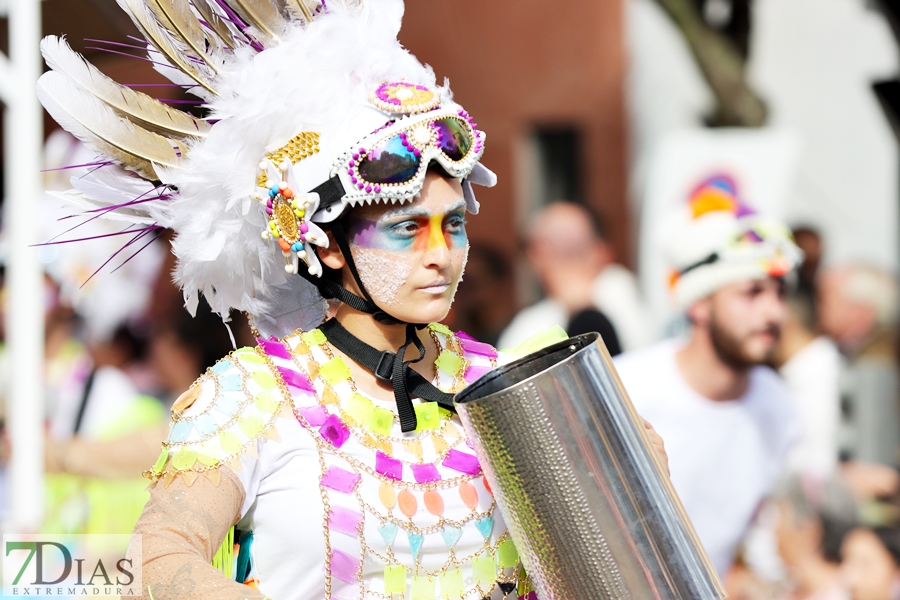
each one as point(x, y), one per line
point(329, 481)
point(313, 109)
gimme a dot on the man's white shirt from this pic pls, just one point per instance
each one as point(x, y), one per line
point(725, 457)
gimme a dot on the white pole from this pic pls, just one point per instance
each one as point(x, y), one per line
point(23, 139)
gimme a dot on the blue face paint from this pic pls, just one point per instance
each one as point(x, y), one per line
point(411, 230)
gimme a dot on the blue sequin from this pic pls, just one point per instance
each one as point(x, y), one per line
point(485, 525)
point(205, 424)
point(227, 404)
point(415, 543)
point(388, 532)
point(451, 535)
point(230, 383)
point(222, 367)
point(180, 431)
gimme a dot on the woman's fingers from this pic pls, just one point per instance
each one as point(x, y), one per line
point(658, 444)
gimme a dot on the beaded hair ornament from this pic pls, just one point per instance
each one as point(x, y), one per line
point(240, 188)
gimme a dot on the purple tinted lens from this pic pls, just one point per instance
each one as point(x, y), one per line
point(389, 162)
point(454, 138)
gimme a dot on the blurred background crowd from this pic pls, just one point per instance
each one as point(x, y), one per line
point(605, 118)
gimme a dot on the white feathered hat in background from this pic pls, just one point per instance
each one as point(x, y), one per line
point(122, 294)
point(311, 109)
point(722, 241)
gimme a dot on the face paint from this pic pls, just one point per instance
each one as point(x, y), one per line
point(383, 273)
point(411, 229)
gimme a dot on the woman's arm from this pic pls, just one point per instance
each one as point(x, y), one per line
point(180, 530)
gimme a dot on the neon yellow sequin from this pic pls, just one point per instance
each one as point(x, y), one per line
point(422, 588)
point(359, 408)
point(452, 585)
point(380, 421)
point(335, 371)
point(449, 362)
point(395, 579)
point(313, 338)
point(427, 416)
point(507, 555)
point(484, 569)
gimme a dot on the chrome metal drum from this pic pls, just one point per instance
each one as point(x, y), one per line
point(587, 500)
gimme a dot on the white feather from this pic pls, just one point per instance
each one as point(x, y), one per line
point(177, 54)
point(136, 106)
point(98, 126)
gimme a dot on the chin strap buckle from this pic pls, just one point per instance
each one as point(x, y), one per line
point(385, 367)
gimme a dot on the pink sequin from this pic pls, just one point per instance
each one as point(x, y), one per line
point(335, 431)
point(344, 520)
point(314, 415)
point(479, 348)
point(462, 462)
point(274, 348)
point(462, 335)
point(425, 473)
point(340, 480)
point(389, 467)
point(344, 566)
point(474, 372)
point(295, 379)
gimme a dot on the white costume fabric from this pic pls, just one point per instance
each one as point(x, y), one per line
point(812, 376)
point(724, 456)
point(615, 293)
point(324, 489)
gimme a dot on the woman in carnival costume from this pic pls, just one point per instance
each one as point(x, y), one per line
point(332, 173)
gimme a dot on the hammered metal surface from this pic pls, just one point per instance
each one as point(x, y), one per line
point(590, 510)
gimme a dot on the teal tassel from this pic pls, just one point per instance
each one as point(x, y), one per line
point(242, 570)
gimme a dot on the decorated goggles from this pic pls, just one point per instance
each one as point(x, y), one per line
point(392, 161)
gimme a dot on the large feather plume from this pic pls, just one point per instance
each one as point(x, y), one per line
point(223, 28)
point(262, 15)
point(176, 17)
point(325, 69)
point(300, 9)
point(175, 52)
point(217, 225)
point(135, 106)
point(98, 126)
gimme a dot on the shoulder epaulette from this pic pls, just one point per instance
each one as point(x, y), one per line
point(222, 417)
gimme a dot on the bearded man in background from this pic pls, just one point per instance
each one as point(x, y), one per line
point(727, 419)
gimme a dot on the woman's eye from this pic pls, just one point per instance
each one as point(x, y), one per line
point(455, 223)
point(405, 229)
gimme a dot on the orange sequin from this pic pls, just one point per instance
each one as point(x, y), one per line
point(408, 503)
point(388, 496)
point(469, 495)
point(434, 503)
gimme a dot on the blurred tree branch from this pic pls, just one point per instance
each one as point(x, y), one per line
point(722, 66)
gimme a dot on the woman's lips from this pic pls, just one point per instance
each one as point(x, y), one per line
point(435, 288)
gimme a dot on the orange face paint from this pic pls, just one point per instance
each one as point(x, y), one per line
point(411, 230)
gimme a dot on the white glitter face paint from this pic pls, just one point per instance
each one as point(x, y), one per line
point(383, 273)
point(462, 270)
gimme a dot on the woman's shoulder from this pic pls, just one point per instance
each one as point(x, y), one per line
point(462, 359)
point(221, 418)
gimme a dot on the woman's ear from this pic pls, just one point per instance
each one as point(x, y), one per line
point(331, 256)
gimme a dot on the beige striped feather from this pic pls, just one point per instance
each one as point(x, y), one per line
point(93, 122)
point(135, 106)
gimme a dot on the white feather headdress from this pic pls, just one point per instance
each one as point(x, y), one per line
point(267, 71)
